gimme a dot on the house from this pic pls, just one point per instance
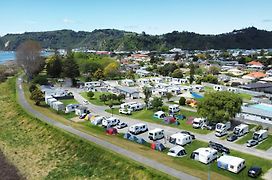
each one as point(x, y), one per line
point(254, 75)
point(159, 91)
point(260, 87)
point(58, 106)
point(231, 163)
point(180, 80)
point(129, 92)
point(255, 65)
point(198, 88)
point(269, 72)
point(204, 155)
point(128, 82)
point(142, 82)
point(236, 72)
point(156, 80)
point(174, 90)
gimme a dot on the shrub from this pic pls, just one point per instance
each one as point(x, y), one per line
point(32, 88)
point(41, 80)
point(182, 101)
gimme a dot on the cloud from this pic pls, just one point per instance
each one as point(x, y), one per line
point(68, 21)
point(267, 20)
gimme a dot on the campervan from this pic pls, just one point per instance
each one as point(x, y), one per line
point(240, 130)
point(180, 139)
point(176, 151)
point(112, 121)
point(98, 120)
point(71, 107)
point(156, 134)
point(260, 135)
point(204, 155)
point(159, 115)
point(231, 163)
point(222, 129)
point(174, 108)
point(138, 128)
point(199, 122)
point(134, 106)
point(51, 101)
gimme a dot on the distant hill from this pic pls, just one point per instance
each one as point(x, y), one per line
point(112, 39)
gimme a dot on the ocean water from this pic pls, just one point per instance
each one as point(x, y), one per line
point(11, 55)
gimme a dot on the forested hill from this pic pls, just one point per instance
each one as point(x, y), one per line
point(111, 39)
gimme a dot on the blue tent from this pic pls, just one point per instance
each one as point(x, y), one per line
point(127, 135)
point(160, 146)
point(132, 138)
point(140, 140)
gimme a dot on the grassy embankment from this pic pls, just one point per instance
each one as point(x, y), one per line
point(184, 164)
point(41, 151)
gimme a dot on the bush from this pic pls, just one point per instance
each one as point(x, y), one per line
point(32, 88)
point(182, 101)
point(41, 80)
point(90, 94)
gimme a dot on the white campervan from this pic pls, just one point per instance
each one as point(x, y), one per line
point(231, 163)
point(199, 122)
point(204, 155)
point(112, 121)
point(156, 134)
point(240, 130)
point(138, 128)
point(260, 135)
point(173, 108)
point(180, 139)
point(159, 115)
point(98, 120)
point(133, 106)
point(222, 129)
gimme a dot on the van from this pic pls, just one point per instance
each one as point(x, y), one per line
point(260, 135)
point(110, 122)
point(222, 129)
point(138, 128)
point(240, 130)
point(173, 109)
point(156, 134)
point(199, 122)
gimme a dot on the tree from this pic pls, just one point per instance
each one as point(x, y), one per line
point(90, 94)
point(111, 71)
point(29, 58)
point(177, 74)
point(214, 70)
point(209, 78)
point(130, 75)
point(147, 93)
point(169, 95)
point(98, 74)
point(220, 106)
point(121, 97)
point(103, 98)
point(54, 66)
point(182, 101)
point(176, 57)
point(157, 103)
point(37, 96)
point(192, 72)
point(70, 68)
point(167, 69)
point(32, 87)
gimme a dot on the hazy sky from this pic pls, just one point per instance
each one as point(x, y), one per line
point(151, 16)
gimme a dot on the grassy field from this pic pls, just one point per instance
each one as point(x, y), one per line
point(266, 144)
point(68, 101)
point(245, 138)
point(40, 151)
point(147, 115)
point(95, 100)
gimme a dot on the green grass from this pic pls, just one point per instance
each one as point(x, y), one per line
point(68, 101)
point(266, 144)
point(245, 138)
point(245, 96)
point(95, 100)
point(147, 115)
point(40, 151)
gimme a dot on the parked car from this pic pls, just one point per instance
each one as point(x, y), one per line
point(219, 147)
point(187, 132)
point(85, 102)
point(232, 137)
point(121, 125)
point(125, 111)
point(210, 126)
point(254, 171)
point(251, 143)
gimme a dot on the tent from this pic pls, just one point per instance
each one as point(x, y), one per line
point(187, 95)
point(169, 120)
point(127, 135)
point(158, 146)
point(132, 138)
point(140, 140)
point(111, 131)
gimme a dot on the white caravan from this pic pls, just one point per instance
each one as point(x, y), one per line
point(199, 122)
point(222, 129)
point(176, 151)
point(51, 101)
point(173, 108)
point(98, 120)
point(260, 135)
point(159, 115)
point(231, 163)
point(204, 155)
point(156, 134)
point(180, 139)
point(138, 128)
point(71, 108)
point(112, 121)
point(240, 130)
point(134, 106)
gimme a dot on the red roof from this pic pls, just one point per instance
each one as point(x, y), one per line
point(256, 63)
point(256, 74)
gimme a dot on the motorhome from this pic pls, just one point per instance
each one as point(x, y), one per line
point(180, 139)
point(159, 115)
point(260, 135)
point(156, 134)
point(199, 122)
point(98, 120)
point(222, 129)
point(231, 163)
point(71, 108)
point(240, 130)
point(173, 108)
point(112, 121)
point(134, 106)
point(177, 151)
point(138, 128)
point(204, 155)
point(58, 106)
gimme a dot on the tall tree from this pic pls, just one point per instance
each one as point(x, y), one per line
point(220, 106)
point(98, 74)
point(111, 71)
point(147, 93)
point(177, 74)
point(54, 66)
point(37, 96)
point(169, 96)
point(28, 56)
point(157, 103)
point(70, 68)
point(192, 72)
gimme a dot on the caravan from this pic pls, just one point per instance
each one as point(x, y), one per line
point(138, 128)
point(222, 129)
point(260, 135)
point(156, 134)
point(240, 130)
point(199, 122)
point(173, 109)
point(204, 155)
point(180, 139)
point(231, 163)
point(159, 115)
point(133, 106)
point(110, 122)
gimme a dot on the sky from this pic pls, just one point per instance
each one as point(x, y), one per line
point(151, 16)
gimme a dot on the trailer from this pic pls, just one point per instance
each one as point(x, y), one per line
point(204, 155)
point(138, 128)
point(231, 163)
point(177, 151)
point(241, 130)
point(156, 134)
point(180, 139)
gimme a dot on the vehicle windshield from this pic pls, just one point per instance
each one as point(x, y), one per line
point(218, 126)
point(236, 131)
point(255, 136)
point(196, 122)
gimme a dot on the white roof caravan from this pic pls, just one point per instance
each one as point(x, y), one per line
point(71, 108)
point(260, 135)
point(204, 155)
point(51, 101)
point(231, 163)
point(222, 128)
point(58, 106)
point(138, 128)
point(173, 108)
point(218, 88)
point(240, 130)
point(176, 151)
point(180, 139)
point(199, 122)
point(156, 134)
point(134, 106)
point(159, 115)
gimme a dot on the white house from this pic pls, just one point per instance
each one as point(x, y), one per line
point(180, 80)
point(156, 80)
point(128, 82)
point(159, 92)
point(142, 82)
point(143, 73)
point(204, 155)
point(127, 91)
point(231, 163)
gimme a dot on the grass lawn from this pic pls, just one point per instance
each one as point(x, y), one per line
point(95, 100)
point(245, 138)
point(68, 101)
point(266, 144)
point(40, 151)
point(147, 115)
point(184, 164)
point(245, 96)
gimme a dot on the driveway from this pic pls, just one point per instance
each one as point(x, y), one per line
point(141, 159)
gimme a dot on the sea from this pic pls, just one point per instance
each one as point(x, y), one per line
point(11, 55)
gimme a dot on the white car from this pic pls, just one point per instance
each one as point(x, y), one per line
point(85, 102)
point(125, 111)
point(121, 125)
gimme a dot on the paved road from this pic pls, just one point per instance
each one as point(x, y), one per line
point(170, 130)
point(105, 144)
